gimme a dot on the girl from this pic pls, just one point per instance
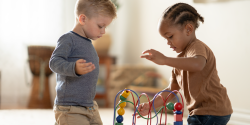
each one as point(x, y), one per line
point(194, 69)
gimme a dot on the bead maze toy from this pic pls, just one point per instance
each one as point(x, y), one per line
point(177, 108)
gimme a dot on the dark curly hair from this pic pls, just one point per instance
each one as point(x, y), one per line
point(181, 13)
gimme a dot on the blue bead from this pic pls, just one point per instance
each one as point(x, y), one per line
point(119, 119)
point(178, 123)
point(178, 112)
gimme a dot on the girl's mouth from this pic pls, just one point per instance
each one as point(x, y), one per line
point(174, 48)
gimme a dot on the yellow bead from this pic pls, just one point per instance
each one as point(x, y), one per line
point(122, 105)
point(121, 111)
point(125, 93)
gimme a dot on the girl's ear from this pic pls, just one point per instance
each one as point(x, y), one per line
point(82, 19)
point(189, 29)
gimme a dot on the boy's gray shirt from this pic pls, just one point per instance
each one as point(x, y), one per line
point(73, 89)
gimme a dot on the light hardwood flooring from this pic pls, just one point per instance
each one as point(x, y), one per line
point(46, 117)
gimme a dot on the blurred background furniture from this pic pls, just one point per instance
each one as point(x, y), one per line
point(122, 77)
point(39, 65)
point(103, 88)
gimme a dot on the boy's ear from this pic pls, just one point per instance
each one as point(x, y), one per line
point(189, 29)
point(82, 19)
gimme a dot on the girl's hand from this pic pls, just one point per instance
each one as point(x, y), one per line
point(82, 67)
point(143, 109)
point(154, 56)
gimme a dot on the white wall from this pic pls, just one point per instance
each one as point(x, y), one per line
point(24, 23)
point(125, 33)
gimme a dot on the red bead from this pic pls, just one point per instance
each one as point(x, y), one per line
point(178, 106)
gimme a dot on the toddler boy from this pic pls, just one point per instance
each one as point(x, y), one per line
point(76, 64)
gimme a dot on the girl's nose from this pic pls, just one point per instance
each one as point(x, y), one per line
point(169, 43)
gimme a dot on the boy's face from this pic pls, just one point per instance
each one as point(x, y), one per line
point(94, 27)
point(175, 35)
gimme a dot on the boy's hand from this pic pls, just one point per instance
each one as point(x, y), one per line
point(82, 67)
point(154, 56)
point(143, 109)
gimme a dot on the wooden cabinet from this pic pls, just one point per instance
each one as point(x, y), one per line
point(107, 61)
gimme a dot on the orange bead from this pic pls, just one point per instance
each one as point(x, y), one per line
point(122, 105)
point(121, 111)
point(125, 93)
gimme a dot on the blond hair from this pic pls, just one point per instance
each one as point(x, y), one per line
point(93, 8)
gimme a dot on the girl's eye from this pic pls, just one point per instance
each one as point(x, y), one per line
point(100, 26)
point(170, 37)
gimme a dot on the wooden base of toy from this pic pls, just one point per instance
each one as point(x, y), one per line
point(36, 101)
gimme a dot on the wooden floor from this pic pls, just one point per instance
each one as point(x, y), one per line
point(46, 117)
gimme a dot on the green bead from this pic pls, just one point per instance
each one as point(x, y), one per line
point(122, 98)
point(170, 106)
point(118, 123)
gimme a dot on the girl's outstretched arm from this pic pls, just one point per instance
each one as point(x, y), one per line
point(192, 64)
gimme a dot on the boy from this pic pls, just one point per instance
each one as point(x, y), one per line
point(76, 64)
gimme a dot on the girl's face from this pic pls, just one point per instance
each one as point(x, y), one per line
point(175, 35)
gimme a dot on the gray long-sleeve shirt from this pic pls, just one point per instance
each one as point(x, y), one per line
point(72, 89)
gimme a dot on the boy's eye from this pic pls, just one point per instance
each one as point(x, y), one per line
point(170, 36)
point(100, 26)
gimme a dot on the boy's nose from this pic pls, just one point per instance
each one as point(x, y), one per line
point(103, 31)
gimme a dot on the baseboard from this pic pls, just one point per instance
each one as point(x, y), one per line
point(240, 117)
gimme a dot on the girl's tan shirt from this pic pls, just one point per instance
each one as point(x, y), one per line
point(204, 93)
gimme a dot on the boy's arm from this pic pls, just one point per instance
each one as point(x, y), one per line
point(192, 64)
point(58, 62)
